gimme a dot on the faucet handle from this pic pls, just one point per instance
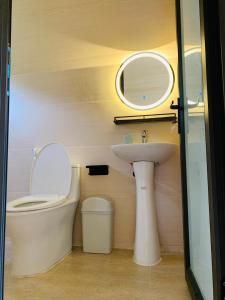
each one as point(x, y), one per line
point(144, 136)
point(144, 132)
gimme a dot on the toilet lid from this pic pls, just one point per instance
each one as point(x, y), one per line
point(51, 172)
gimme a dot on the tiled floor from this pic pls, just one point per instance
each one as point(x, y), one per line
point(102, 277)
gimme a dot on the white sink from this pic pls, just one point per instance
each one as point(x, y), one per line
point(143, 157)
point(155, 152)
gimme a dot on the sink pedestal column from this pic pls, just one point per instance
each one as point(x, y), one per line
point(147, 247)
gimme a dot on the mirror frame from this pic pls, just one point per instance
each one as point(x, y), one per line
point(135, 57)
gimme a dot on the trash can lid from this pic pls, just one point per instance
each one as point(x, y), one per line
point(97, 204)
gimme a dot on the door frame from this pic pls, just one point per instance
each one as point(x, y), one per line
point(5, 38)
point(212, 18)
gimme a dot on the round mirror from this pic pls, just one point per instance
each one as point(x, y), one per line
point(193, 78)
point(144, 80)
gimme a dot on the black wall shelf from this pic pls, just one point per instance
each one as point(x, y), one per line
point(98, 170)
point(170, 117)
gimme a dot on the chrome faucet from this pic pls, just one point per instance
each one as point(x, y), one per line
point(144, 136)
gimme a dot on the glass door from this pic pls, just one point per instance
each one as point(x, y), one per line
point(195, 150)
point(202, 238)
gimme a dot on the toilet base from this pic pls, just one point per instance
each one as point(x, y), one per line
point(46, 270)
point(40, 239)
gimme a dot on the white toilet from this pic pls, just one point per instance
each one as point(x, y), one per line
point(40, 225)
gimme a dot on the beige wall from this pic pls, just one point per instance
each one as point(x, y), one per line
point(66, 94)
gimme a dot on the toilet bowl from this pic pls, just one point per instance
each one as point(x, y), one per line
point(40, 225)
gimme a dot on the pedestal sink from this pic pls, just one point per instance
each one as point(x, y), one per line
point(144, 157)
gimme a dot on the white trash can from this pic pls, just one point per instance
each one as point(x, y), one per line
point(97, 225)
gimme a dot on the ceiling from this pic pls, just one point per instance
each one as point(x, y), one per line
point(47, 33)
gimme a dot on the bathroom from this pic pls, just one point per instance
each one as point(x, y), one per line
point(65, 89)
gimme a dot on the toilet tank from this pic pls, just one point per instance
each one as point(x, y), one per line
point(75, 183)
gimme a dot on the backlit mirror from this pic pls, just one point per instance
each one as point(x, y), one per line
point(145, 80)
point(193, 78)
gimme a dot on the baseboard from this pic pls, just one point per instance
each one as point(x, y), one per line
point(168, 250)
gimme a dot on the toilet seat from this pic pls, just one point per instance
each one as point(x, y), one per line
point(34, 202)
point(49, 183)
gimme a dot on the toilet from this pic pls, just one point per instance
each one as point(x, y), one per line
point(40, 225)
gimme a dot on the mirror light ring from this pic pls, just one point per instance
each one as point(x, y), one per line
point(192, 51)
point(140, 55)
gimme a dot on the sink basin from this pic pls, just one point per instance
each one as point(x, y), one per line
point(143, 158)
point(154, 152)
